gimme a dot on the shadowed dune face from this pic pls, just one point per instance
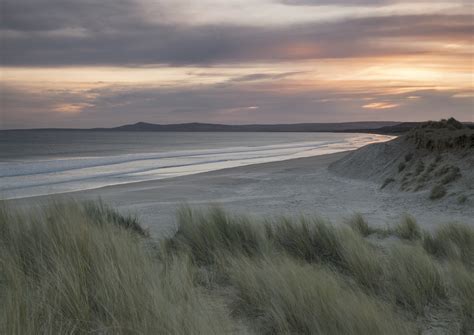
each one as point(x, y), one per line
point(437, 157)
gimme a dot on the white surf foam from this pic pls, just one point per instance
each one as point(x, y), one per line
point(39, 177)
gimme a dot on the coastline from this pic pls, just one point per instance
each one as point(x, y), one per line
point(301, 186)
point(48, 170)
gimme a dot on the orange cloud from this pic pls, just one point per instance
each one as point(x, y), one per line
point(71, 108)
point(380, 105)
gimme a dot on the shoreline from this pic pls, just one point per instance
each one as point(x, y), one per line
point(301, 186)
point(106, 167)
point(144, 182)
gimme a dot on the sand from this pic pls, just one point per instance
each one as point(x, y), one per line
point(434, 155)
point(293, 187)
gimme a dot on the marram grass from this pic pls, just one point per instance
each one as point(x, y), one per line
point(63, 272)
point(77, 268)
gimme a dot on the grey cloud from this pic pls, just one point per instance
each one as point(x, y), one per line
point(142, 44)
point(263, 76)
point(353, 2)
point(334, 2)
point(47, 15)
point(115, 32)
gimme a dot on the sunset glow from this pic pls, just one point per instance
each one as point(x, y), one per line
point(212, 61)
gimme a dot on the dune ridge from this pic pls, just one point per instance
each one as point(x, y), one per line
point(435, 159)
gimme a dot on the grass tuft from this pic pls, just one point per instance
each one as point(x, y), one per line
point(293, 298)
point(462, 288)
point(387, 182)
point(311, 240)
point(419, 168)
point(462, 199)
point(401, 166)
point(408, 229)
point(453, 241)
point(202, 234)
point(437, 192)
point(101, 213)
point(359, 224)
point(415, 278)
point(451, 175)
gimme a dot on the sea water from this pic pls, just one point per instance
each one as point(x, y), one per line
point(47, 162)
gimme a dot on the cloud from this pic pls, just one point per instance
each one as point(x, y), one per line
point(49, 15)
point(380, 105)
point(264, 76)
point(277, 55)
point(115, 105)
point(335, 2)
point(136, 44)
point(357, 2)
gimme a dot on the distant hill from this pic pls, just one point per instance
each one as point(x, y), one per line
point(297, 127)
point(376, 127)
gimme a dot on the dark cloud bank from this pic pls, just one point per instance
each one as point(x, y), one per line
point(111, 32)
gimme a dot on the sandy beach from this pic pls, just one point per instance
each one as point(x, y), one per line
point(273, 167)
point(293, 187)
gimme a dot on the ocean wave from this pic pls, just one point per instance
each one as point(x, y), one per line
point(47, 176)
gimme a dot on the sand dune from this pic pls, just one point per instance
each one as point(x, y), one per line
point(435, 160)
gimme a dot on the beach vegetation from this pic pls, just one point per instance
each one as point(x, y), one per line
point(85, 268)
point(437, 192)
point(453, 241)
point(451, 175)
point(408, 229)
point(62, 273)
point(414, 277)
point(386, 182)
point(461, 286)
point(359, 224)
point(462, 199)
point(401, 166)
point(419, 167)
point(290, 297)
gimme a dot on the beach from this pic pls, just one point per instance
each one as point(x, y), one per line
point(273, 167)
point(294, 187)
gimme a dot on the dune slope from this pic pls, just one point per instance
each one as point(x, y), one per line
point(435, 159)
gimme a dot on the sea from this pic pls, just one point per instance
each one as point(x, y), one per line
point(34, 163)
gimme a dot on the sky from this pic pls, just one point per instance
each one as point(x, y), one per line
point(91, 63)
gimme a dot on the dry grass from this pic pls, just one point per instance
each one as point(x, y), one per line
point(202, 235)
point(448, 174)
point(462, 288)
point(386, 182)
point(289, 297)
point(80, 269)
point(408, 229)
point(453, 241)
point(462, 199)
point(419, 167)
point(401, 166)
point(359, 224)
point(101, 213)
point(437, 192)
point(415, 279)
point(62, 273)
point(312, 240)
